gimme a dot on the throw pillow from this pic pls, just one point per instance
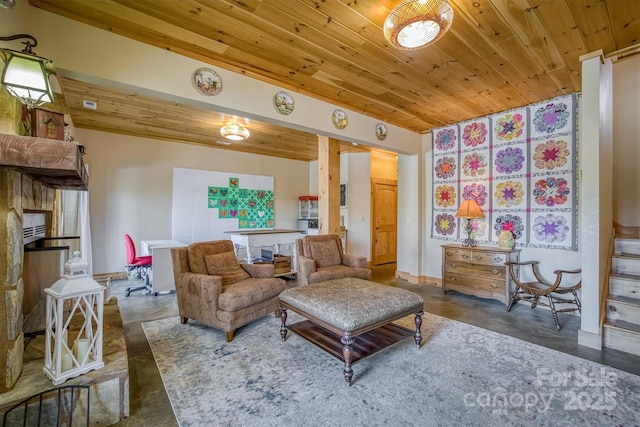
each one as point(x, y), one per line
point(226, 266)
point(326, 253)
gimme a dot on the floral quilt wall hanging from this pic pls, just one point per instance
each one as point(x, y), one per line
point(520, 166)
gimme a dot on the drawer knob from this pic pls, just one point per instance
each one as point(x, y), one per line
point(495, 271)
point(449, 253)
point(493, 285)
point(479, 257)
point(498, 259)
point(452, 277)
point(464, 256)
point(454, 265)
point(613, 308)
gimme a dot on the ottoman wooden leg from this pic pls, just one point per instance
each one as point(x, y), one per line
point(347, 352)
point(418, 335)
point(283, 325)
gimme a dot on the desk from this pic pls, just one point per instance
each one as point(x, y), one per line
point(161, 265)
point(251, 239)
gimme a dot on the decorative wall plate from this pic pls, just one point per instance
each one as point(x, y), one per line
point(207, 81)
point(339, 119)
point(283, 102)
point(381, 131)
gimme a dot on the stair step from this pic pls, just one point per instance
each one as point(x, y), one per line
point(625, 264)
point(622, 336)
point(623, 309)
point(627, 245)
point(624, 285)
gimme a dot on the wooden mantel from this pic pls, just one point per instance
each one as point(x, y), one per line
point(55, 163)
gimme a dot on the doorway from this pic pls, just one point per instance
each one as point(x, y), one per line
point(384, 220)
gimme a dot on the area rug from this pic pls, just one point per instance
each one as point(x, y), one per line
point(461, 376)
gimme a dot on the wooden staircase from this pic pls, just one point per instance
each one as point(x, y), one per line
point(622, 323)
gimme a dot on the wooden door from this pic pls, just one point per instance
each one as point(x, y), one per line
point(384, 220)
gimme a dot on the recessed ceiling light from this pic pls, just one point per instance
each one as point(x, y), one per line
point(92, 105)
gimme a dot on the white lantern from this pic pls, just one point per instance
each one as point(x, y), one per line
point(73, 340)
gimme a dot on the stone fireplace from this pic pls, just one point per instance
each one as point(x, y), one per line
point(18, 192)
point(31, 169)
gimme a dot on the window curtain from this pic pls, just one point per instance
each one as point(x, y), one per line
point(74, 221)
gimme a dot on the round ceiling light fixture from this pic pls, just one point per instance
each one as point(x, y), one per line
point(417, 23)
point(234, 131)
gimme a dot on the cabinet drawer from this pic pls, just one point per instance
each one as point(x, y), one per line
point(496, 285)
point(458, 254)
point(489, 258)
point(479, 270)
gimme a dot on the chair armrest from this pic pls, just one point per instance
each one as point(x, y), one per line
point(522, 263)
point(259, 270)
point(197, 297)
point(306, 266)
point(200, 285)
point(354, 261)
point(578, 271)
point(565, 288)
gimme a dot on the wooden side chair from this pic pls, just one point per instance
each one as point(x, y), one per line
point(566, 296)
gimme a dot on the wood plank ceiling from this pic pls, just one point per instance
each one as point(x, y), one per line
point(498, 54)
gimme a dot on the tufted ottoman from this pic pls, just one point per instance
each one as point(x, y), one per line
point(351, 318)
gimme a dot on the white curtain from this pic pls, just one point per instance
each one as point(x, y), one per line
point(74, 221)
point(85, 229)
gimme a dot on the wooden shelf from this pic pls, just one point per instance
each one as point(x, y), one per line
point(55, 163)
point(364, 344)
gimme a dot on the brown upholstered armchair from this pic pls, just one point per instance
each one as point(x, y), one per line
point(321, 258)
point(213, 288)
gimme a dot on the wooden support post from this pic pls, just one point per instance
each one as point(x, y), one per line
point(328, 185)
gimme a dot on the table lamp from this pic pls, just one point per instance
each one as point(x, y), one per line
point(469, 209)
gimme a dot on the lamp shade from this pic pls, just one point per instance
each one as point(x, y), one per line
point(417, 23)
point(469, 209)
point(26, 77)
point(234, 131)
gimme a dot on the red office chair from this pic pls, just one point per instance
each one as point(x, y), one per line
point(141, 264)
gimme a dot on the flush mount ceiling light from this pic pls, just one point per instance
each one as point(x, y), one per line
point(26, 75)
point(234, 131)
point(417, 23)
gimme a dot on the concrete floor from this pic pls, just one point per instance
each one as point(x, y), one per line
point(150, 404)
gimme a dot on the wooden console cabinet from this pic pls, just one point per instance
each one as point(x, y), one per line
point(478, 271)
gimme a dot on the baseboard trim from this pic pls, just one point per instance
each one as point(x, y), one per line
point(120, 275)
point(589, 339)
point(430, 281)
point(408, 277)
point(418, 280)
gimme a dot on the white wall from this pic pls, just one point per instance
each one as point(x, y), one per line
point(384, 166)
point(410, 222)
point(626, 141)
point(131, 186)
point(596, 138)
point(344, 179)
point(359, 204)
point(355, 170)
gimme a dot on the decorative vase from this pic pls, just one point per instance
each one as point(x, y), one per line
point(505, 240)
